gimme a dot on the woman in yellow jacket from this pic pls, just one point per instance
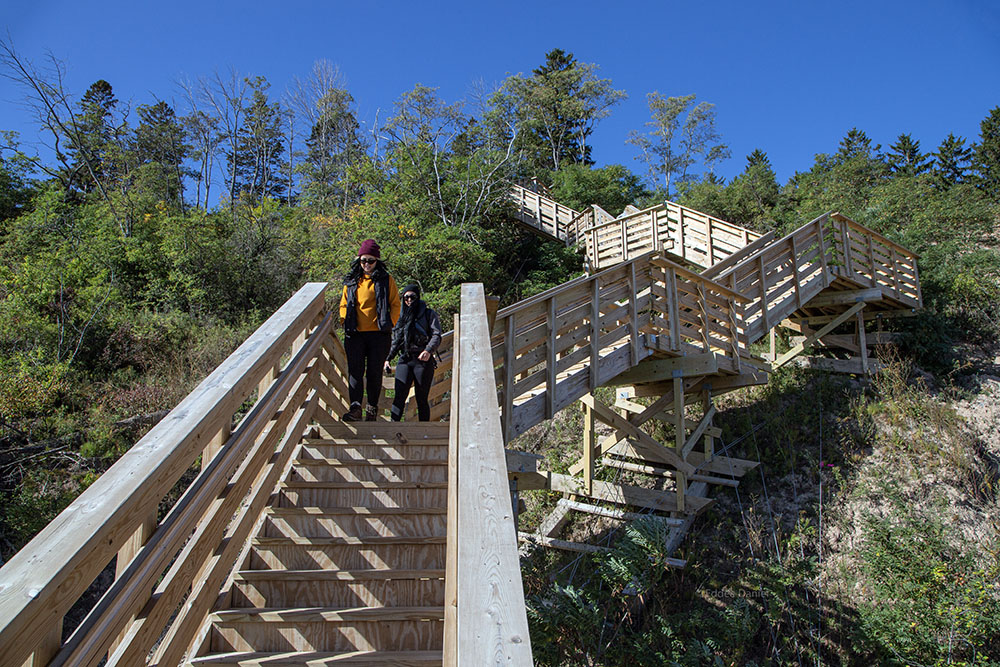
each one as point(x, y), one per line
point(369, 307)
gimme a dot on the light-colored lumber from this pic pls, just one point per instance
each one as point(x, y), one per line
point(492, 621)
point(61, 561)
point(797, 349)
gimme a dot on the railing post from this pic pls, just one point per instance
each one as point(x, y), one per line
point(450, 652)
point(595, 334)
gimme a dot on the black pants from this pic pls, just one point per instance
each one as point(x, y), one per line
point(419, 374)
point(366, 353)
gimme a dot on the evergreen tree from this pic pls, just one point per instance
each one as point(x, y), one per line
point(951, 162)
point(334, 144)
point(557, 108)
point(905, 158)
point(160, 148)
point(258, 164)
point(89, 137)
point(855, 144)
point(986, 157)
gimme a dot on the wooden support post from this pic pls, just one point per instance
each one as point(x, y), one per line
point(633, 313)
point(595, 334)
point(48, 646)
point(706, 404)
point(680, 230)
point(624, 232)
point(508, 378)
point(862, 342)
point(128, 552)
point(871, 261)
point(795, 272)
point(703, 312)
point(846, 240)
point(822, 242)
point(711, 250)
point(550, 361)
point(655, 219)
point(679, 438)
point(673, 310)
point(216, 443)
point(492, 305)
point(772, 335)
point(763, 292)
point(589, 445)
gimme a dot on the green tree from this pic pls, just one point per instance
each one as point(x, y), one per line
point(904, 157)
point(986, 155)
point(15, 177)
point(752, 195)
point(951, 161)
point(671, 147)
point(160, 148)
point(88, 144)
point(334, 144)
point(258, 162)
point(612, 187)
point(557, 108)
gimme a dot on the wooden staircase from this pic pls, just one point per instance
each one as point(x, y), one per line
point(348, 564)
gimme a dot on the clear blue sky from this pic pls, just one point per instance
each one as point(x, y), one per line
point(787, 77)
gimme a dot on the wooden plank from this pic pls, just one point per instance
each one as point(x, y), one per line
point(614, 513)
point(550, 363)
point(845, 297)
point(862, 343)
point(645, 443)
point(235, 474)
point(450, 646)
point(655, 370)
point(492, 621)
point(699, 431)
point(658, 471)
point(797, 349)
point(589, 442)
point(623, 494)
point(595, 334)
point(65, 557)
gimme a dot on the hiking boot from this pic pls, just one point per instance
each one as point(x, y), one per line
point(371, 414)
point(354, 414)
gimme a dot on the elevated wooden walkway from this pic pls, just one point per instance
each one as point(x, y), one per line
point(308, 541)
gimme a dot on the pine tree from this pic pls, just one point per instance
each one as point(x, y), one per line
point(986, 157)
point(951, 162)
point(89, 137)
point(159, 145)
point(905, 158)
point(258, 164)
point(334, 144)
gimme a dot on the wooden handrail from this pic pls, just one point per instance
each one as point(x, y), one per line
point(488, 623)
point(45, 578)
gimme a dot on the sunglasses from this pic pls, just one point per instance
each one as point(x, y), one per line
point(367, 260)
point(409, 297)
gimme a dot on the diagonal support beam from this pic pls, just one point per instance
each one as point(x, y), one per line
point(797, 350)
point(699, 431)
point(642, 441)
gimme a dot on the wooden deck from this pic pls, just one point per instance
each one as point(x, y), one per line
point(305, 540)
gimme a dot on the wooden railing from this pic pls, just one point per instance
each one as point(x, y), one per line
point(786, 274)
point(553, 348)
point(876, 261)
point(169, 571)
point(543, 213)
point(485, 618)
point(697, 237)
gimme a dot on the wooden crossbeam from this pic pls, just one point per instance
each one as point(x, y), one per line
point(624, 494)
point(797, 349)
point(659, 471)
point(656, 370)
point(698, 432)
point(643, 442)
point(844, 298)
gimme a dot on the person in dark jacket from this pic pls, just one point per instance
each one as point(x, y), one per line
point(415, 338)
point(369, 307)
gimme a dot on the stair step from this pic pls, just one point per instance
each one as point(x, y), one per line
point(352, 510)
point(347, 553)
point(355, 521)
point(336, 575)
point(282, 588)
point(391, 498)
point(320, 659)
point(378, 462)
point(328, 629)
point(332, 614)
point(363, 484)
point(368, 450)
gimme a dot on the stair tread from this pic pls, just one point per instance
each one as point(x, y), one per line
point(317, 658)
point(336, 575)
point(342, 462)
point(346, 541)
point(362, 485)
point(374, 440)
point(322, 614)
point(357, 510)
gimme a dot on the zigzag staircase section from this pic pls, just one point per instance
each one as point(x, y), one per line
point(308, 541)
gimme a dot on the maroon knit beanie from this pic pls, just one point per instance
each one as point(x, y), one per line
point(370, 247)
